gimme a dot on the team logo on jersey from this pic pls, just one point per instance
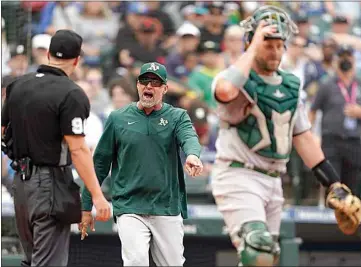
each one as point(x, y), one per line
point(278, 94)
point(153, 67)
point(163, 122)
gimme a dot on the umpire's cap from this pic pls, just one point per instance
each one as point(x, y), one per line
point(65, 44)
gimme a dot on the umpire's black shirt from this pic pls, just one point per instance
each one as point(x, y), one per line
point(43, 107)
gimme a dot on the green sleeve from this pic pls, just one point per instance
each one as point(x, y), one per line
point(187, 137)
point(102, 158)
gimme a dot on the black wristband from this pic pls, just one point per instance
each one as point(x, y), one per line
point(325, 173)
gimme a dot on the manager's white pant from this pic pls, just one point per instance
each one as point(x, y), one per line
point(162, 234)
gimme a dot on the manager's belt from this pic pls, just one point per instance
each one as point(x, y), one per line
point(237, 164)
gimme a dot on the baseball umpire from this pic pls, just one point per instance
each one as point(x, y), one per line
point(140, 145)
point(262, 116)
point(43, 133)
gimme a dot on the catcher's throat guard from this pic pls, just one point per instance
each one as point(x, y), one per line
point(273, 16)
point(258, 247)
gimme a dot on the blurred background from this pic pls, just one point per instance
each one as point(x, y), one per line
point(195, 40)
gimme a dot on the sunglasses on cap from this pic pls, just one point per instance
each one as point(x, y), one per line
point(153, 82)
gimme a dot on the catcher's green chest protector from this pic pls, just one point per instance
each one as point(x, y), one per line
point(268, 129)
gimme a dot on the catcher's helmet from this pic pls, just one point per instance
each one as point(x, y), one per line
point(272, 15)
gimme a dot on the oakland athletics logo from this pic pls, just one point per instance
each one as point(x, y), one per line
point(163, 122)
point(153, 67)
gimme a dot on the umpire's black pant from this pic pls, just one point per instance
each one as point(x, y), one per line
point(44, 240)
point(345, 156)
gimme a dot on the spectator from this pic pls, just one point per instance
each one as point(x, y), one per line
point(5, 81)
point(340, 24)
point(349, 10)
point(200, 80)
point(233, 45)
point(57, 15)
point(34, 7)
point(136, 12)
point(188, 41)
point(18, 62)
point(167, 37)
point(173, 8)
point(94, 125)
point(340, 32)
point(5, 52)
point(98, 96)
point(317, 71)
point(234, 13)
point(118, 8)
point(294, 60)
point(214, 26)
point(129, 74)
point(176, 90)
point(145, 48)
point(340, 102)
point(312, 9)
point(96, 24)
point(304, 27)
point(121, 94)
point(7, 173)
point(79, 72)
point(191, 61)
point(196, 15)
point(40, 46)
point(248, 7)
point(199, 113)
point(312, 49)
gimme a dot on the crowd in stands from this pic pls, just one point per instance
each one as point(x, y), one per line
point(195, 40)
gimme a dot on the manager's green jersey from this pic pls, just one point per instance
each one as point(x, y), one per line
point(143, 152)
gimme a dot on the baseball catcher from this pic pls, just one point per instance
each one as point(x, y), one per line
point(262, 117)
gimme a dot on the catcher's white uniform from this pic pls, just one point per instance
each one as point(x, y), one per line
point(243, 194)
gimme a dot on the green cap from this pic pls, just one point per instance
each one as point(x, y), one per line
point(156, 68)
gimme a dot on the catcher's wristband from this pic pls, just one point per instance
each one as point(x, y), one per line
point(325, 173)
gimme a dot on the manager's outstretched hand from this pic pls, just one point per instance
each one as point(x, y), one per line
point(193, 165)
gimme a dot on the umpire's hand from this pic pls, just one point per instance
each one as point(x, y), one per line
point(193, 165)
point(87, 221)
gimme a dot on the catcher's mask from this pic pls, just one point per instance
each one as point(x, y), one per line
point(273, 16)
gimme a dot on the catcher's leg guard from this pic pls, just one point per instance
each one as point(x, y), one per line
point(258, 247)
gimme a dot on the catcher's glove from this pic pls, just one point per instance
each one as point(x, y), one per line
point(347, 208)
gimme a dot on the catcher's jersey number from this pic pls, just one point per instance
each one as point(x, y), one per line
point(78, 126)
